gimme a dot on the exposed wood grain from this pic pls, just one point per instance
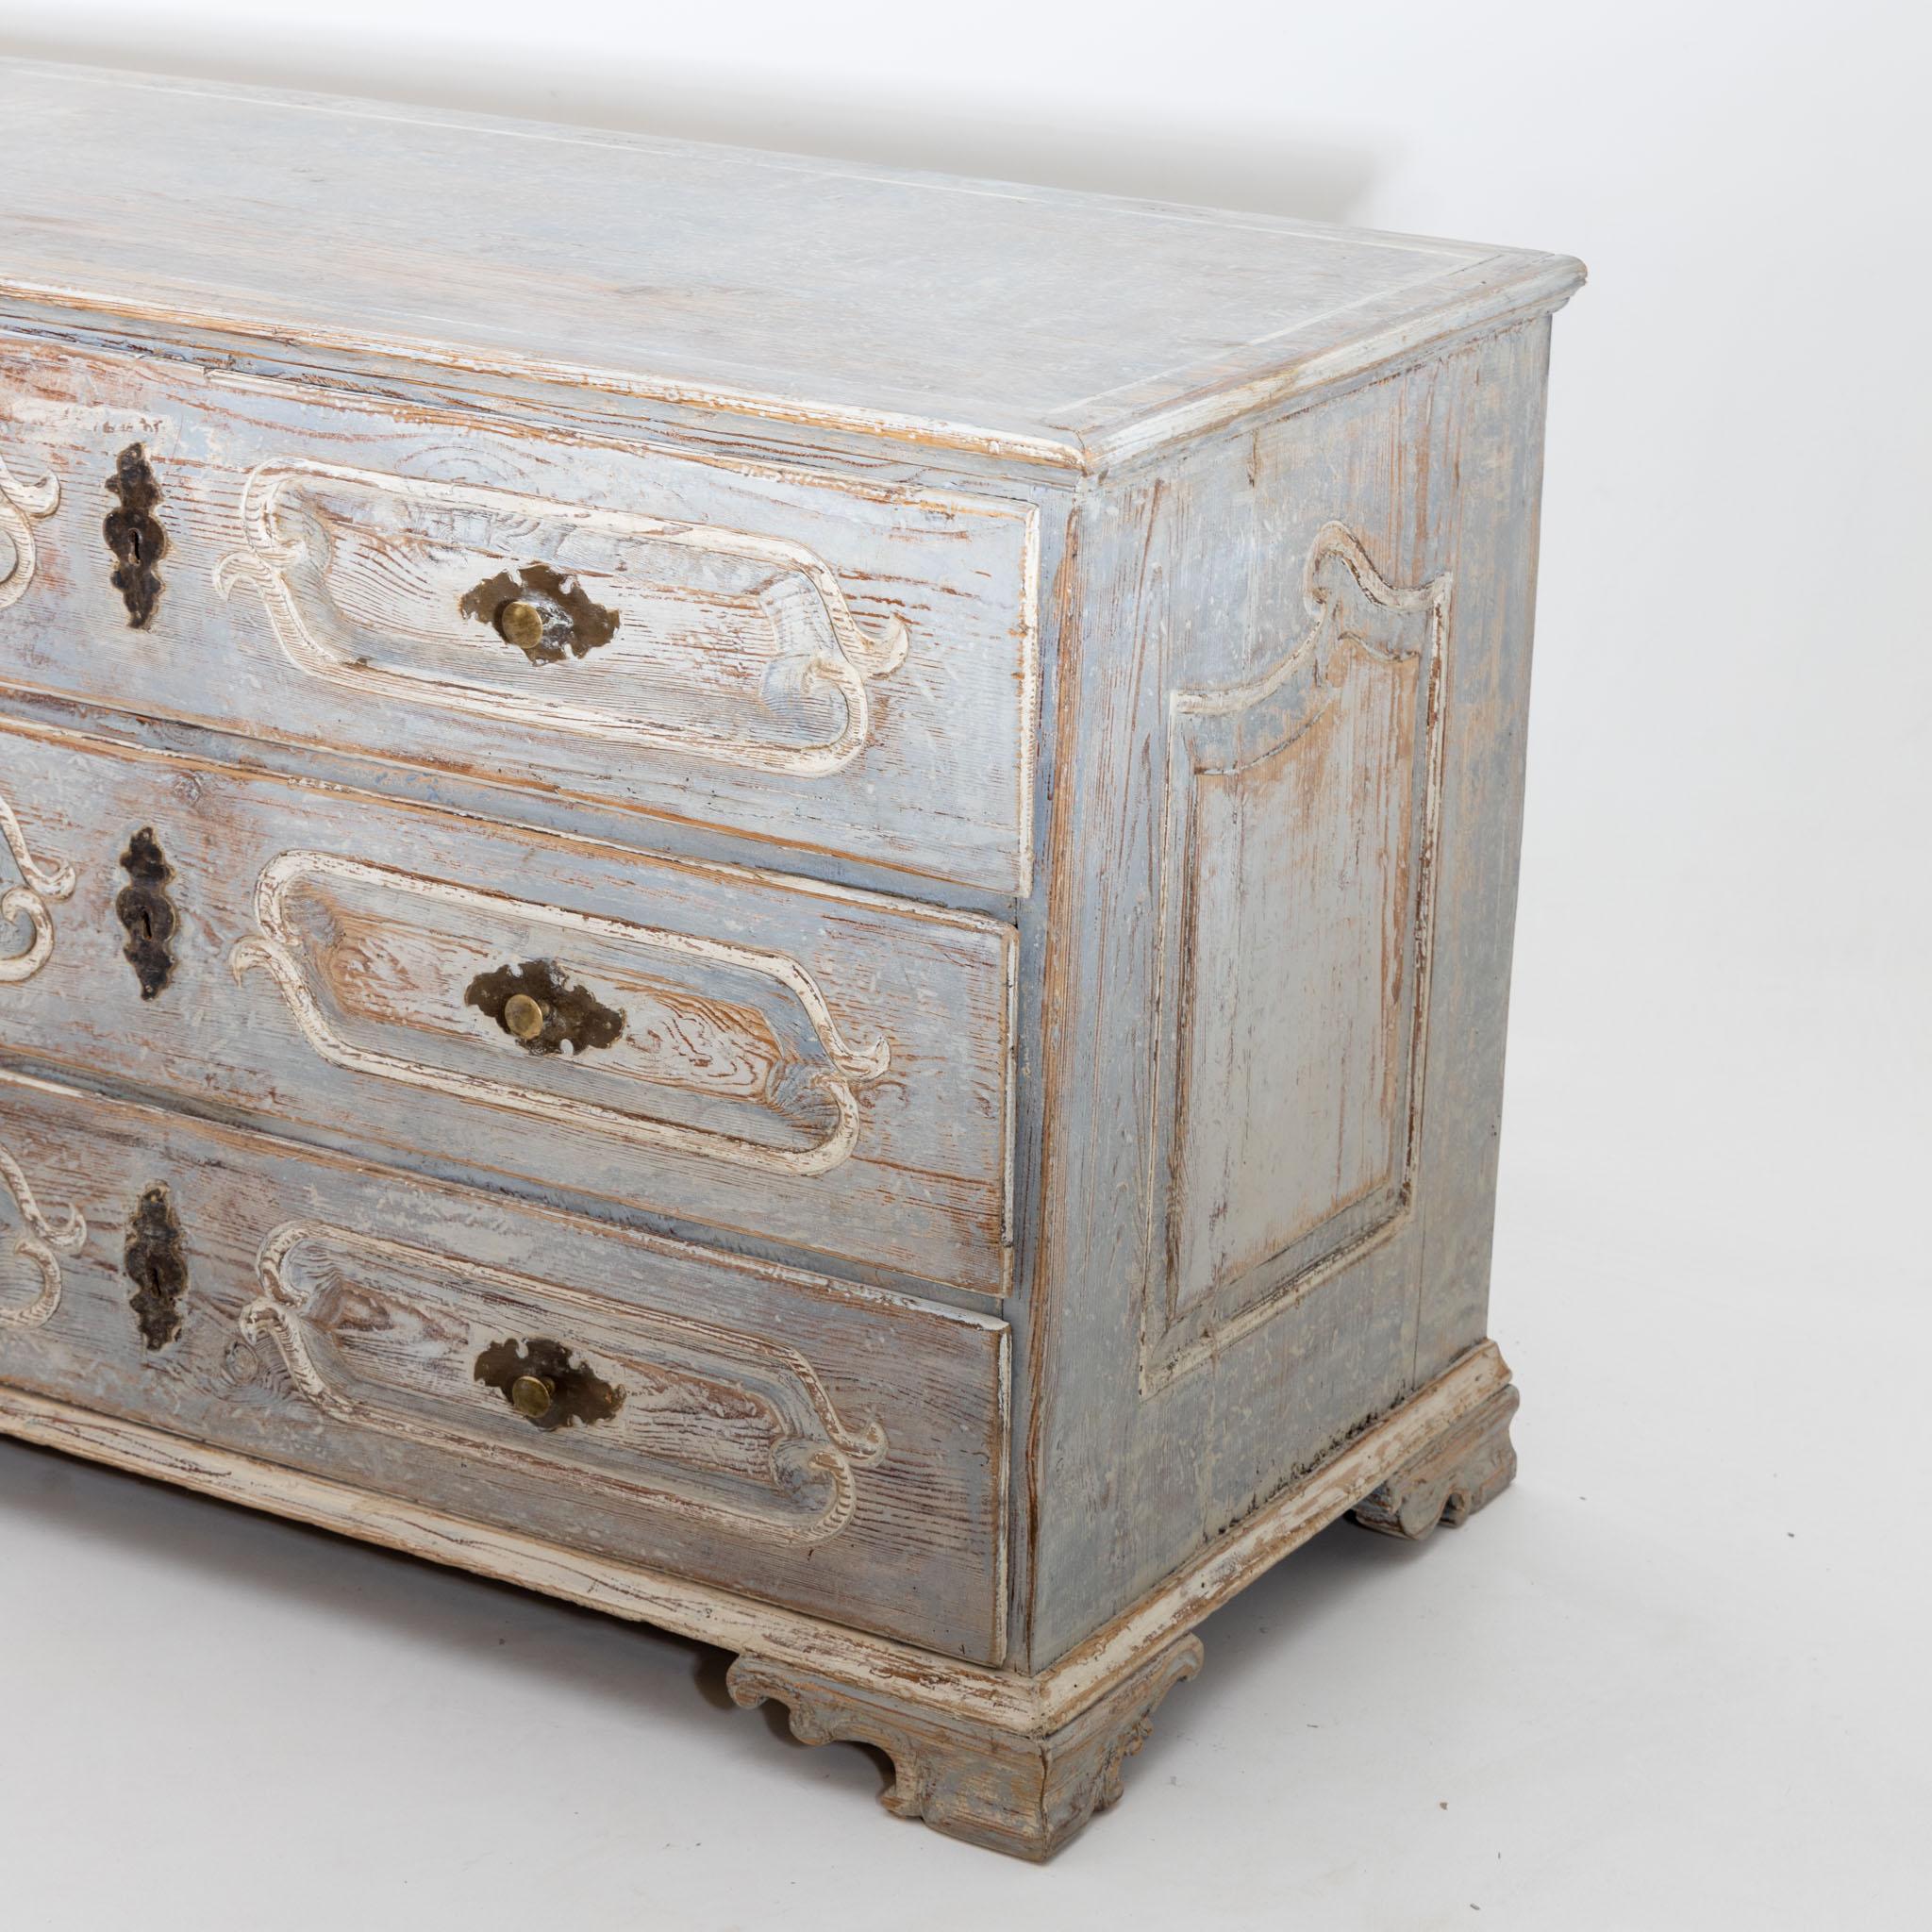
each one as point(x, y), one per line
point(838, 1450)
point(548, 686)
point(826, 1068)
point(823, 662)
point(1465, 1469)
point(1025, 1796)
point(1197, 580)
point(937, 311)
point(1291, 993)
point(1031, 1706)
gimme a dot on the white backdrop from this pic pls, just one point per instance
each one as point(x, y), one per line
point(1676, 1677)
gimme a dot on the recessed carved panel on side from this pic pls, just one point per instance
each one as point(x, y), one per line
point(1297, 891)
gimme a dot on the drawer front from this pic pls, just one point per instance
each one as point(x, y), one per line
point(755, 1427)
point(843, 666)
point(814, 1067)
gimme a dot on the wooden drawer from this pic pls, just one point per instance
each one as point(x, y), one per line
point(814, 661)
point(770, 1431)
point(821, 1068)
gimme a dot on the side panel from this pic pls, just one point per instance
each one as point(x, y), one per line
point(1289, 840)
point(1290, 994)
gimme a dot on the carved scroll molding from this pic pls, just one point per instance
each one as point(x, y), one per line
point(29, 900)
point(1010, 1792)
point(282, 949)
point(41, 1243)
point(21, 506)
point(1465, 1469)
point(769, 600)
point(719, 1427)
point(1296, 911)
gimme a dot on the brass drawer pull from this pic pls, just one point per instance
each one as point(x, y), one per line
point(523, 1016)
point(531, 1396)
point(542, 1011)
point(546, 1384)
point(548, 616)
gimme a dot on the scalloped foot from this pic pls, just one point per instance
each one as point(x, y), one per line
point(1464, 1467)
point(1023, 1795)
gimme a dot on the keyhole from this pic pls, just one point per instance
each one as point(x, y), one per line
point(146, 912)
point(136, 535)
point(156, 1264)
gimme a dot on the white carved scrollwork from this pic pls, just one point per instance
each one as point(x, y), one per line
point(717, 1426)
point(29, 900)
point(286, 953)
point(20, 504)
point(359, 570)
point(41, 1243)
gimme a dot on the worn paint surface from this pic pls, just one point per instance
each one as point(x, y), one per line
point(838, 772)
point(788, 288)
point(1322, 947)
point(832, 664)
point(782, 1434)
point(826, 1068)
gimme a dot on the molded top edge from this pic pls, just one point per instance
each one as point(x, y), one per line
point(1033, 324)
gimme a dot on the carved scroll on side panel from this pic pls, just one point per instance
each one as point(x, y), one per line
point(40, 1243)
point(21, 506)
point(700, 1420)
point(721, 644)
point(1297, 909)
point(770, 1083)
point(29, 899)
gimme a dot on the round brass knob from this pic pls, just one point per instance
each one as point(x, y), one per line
point(520, 622)
point(523, 1016)
point(538, 625)
point(531, 1396)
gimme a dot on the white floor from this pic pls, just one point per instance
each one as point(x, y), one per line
point(1675, 1677)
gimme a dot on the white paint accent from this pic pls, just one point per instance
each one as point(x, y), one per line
point(281, 952)
point(854, 656)
point(42, 1243)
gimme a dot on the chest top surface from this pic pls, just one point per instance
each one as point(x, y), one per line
point(1047, 325)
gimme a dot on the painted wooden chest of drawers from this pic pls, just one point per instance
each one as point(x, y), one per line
point(775, 895)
